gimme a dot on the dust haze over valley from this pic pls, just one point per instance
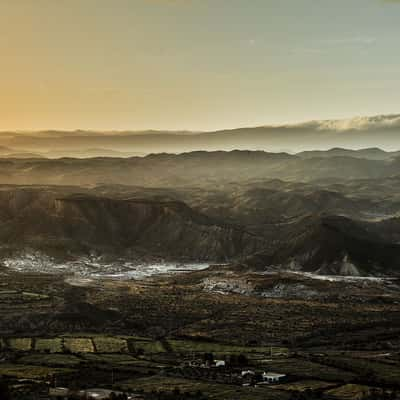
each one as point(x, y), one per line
point(354, 133)
point(199, 200)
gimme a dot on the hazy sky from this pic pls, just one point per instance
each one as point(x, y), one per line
point(195, 64)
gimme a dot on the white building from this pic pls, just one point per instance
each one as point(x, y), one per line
point(271, 377)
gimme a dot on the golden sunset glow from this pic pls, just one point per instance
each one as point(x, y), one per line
point(200, 65)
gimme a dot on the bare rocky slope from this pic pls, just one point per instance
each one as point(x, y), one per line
point(62, 222)
point(76, 223)
point(333, 245)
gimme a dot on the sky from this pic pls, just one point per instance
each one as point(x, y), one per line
point(195, 64)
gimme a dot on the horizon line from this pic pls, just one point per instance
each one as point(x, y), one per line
point(300, 123)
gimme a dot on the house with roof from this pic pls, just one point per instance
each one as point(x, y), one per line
point(272, 377)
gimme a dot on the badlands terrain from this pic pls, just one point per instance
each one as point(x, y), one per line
point(132, 267)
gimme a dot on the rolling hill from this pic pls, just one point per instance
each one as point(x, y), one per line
point(193, 169)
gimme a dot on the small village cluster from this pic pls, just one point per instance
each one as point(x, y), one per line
point(245, 378)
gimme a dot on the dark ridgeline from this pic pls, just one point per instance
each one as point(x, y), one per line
point(317, 211)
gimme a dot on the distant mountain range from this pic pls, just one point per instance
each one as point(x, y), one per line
point(381, 131)
point(200, 168)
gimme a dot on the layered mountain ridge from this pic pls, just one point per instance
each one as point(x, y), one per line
point(83, 223)
point(194, 169)
point(334, 212)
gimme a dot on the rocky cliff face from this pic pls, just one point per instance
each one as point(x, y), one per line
point(333, 246)
point(42, 219)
